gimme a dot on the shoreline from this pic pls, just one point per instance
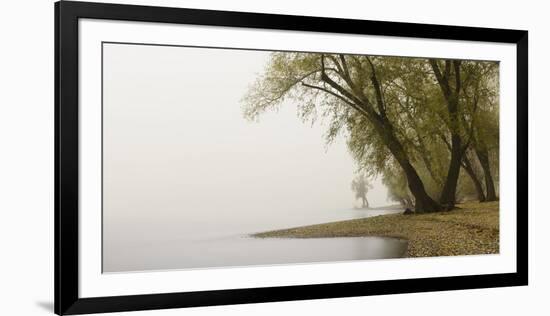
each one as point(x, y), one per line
point(472, 229)
point(393, 207)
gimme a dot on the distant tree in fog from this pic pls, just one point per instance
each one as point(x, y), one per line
point(361, 186)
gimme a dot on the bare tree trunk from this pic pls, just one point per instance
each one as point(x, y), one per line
point(451, 94)
point(423, 202)
point(467, 165)
point(365, 202)
point(483, 156)
point(448, 194)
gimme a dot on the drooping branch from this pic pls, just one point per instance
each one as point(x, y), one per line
point(348, 102)
point(284, 91)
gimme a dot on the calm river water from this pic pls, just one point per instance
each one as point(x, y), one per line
point(206, 245)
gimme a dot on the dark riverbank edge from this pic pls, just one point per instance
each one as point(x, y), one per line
point(472, 229)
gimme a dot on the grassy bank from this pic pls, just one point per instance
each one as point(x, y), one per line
point(471, 229)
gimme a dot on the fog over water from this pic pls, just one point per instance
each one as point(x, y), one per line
point(182, 166)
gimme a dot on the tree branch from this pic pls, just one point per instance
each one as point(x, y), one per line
point(447, 69)
point(456, 64)
point(441, 79)
point(377, 90)
point(335, 61)
point(347, 78)
point(337, 96)
point(472, 125)
point(339, 88)
point(344, 65)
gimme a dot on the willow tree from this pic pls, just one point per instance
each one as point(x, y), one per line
point(470, 92)
point(346, 89)
point(479, 116)
point(431, 130)
point(361, 186)
point(424, 117)
point(486, 127)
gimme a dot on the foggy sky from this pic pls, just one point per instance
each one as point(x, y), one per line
point(176, 147)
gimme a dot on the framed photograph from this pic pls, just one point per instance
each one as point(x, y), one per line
point(209, 158)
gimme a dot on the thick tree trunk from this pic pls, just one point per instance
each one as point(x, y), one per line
point(410, 202)
point(483, 156)
point(477, 184)
point(448, 194)
point(451, 94)
point(423, 202)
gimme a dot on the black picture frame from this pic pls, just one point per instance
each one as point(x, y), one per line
point(67, 15)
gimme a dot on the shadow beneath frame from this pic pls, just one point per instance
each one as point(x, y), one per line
point(48, 306)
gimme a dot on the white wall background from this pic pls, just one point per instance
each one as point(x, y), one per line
point(26, 159)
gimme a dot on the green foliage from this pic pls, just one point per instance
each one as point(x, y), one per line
point(379, 103)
